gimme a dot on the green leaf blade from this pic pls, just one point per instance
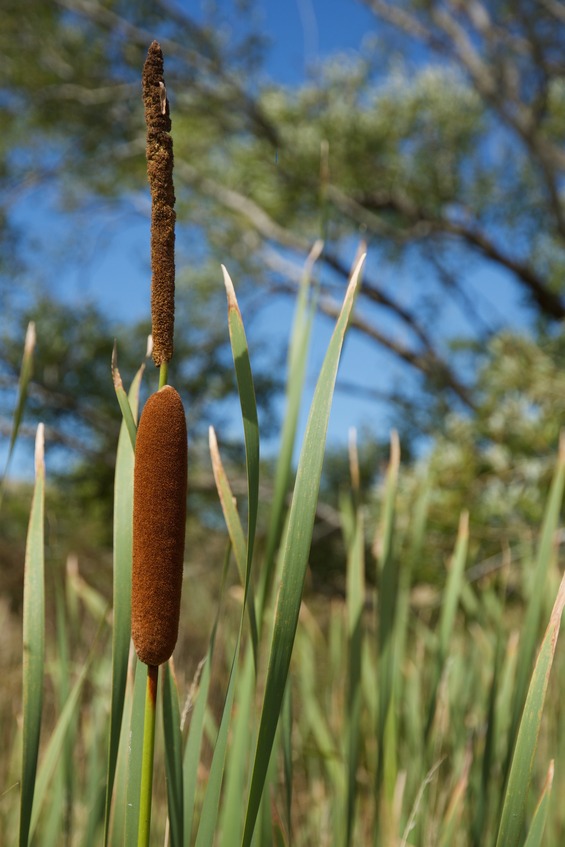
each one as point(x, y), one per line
point(26, 371)
point(173, 755)
point(246, 391)
point(513, 811)
point(121, 633)
point(296, 548)
point(33, 642)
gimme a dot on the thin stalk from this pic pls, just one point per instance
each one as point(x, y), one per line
point(147, 756)
point(163, 373)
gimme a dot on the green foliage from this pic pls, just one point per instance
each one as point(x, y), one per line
point(439, 142)
point(34, 644)
point(360, 762)
point(495, 463)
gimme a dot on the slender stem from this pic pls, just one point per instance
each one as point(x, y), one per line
point(163, 373)
point(147, 756)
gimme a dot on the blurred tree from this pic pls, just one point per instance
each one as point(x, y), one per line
point(498, 464)
point(441, 144)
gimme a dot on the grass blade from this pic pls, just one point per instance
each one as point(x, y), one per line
point(123, 510)
point(296, 547)
point(448, 609)
point(196, 730)
point(531, 626)
point(297, 360)
point(537, 827)
point(56, 743)
point(33, 642)
point(510, 831)
point(386, 606)
point(25, 376)
point(51, 830)
point(286, 743)
point(452, 819)
point(63, 686)
point(125, 407)
point(417, 532)
point(135, 747)
point(232, 819)
point(210, 809)
point(235, 531)
point(248, 403)
point(355, 600)
point(173, 754)
point(231, 515)
point(211, 805)
point(119, 803)
point(95, 787)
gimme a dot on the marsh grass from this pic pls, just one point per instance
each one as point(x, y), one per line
point(390, 729)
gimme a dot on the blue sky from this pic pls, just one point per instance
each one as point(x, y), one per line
point(114, 265)
point(305, 32)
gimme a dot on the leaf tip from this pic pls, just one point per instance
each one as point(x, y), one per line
point(464, 524)
point(30, 339)
point(354, 281)
point(558, 607)
point(315, 252)
point(354, 460)
point(561, 454)
point(549, 776)
point(230, 290)
point(394, 452)
point(117, 379)
point(40, 450)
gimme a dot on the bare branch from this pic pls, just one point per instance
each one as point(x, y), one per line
point(555, 8)
point(445, 35)
point(244, 206)
point(428, 363)
point(549, 301)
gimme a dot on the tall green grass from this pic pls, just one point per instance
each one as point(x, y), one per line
point(310, 722)
point(307, 722)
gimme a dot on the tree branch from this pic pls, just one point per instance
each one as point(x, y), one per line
point(549, 301)
point(446, 36)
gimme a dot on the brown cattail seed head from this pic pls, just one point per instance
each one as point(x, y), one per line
point(159, 517)
point(160, 173)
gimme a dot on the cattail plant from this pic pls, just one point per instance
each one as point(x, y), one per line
point(160, 454)
point(159, 501)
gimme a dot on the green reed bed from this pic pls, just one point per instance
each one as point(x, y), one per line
point(308, 722)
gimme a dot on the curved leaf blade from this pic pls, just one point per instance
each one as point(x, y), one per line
point(123, 534)
point(296, 547)
point(513, 811)
point(33, 642)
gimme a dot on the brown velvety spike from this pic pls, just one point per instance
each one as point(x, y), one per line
point(159, 153)
point(159, 517)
